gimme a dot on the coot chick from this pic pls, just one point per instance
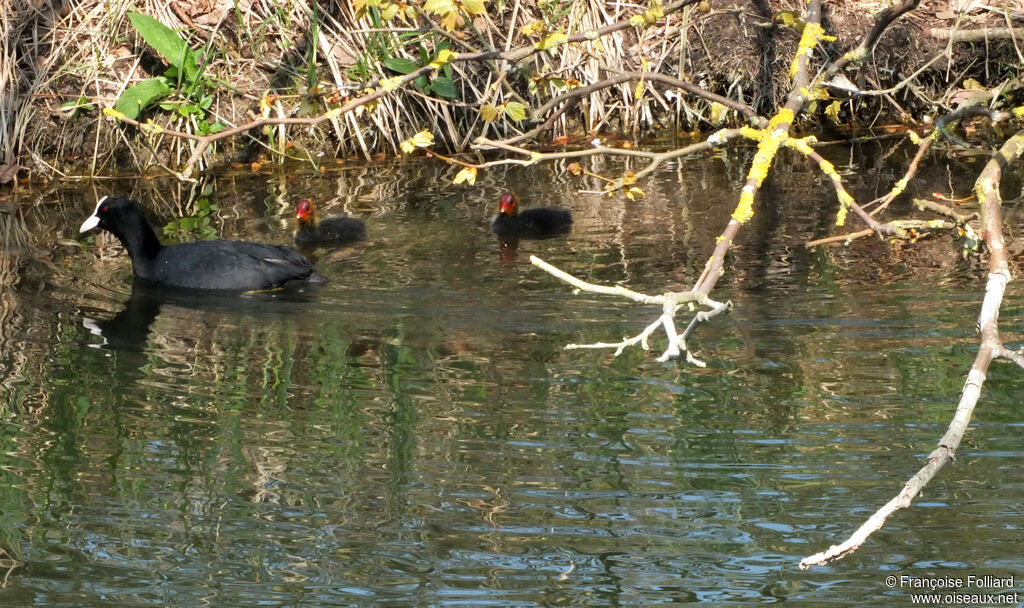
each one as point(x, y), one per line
point(537, 223)
point(220, 265)
point(331, 231)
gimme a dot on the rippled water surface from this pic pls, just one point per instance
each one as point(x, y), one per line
point(413, 434)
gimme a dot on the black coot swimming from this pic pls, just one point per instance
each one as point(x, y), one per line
point(331, 231)
point(221, 265)
point(537, 223)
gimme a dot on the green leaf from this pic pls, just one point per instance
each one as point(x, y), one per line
point(515, 110)
point(167, 42)
point(445, 87)
point(401, 65)
point(139, 95)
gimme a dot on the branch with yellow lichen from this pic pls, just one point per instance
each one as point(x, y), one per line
point(991, 348)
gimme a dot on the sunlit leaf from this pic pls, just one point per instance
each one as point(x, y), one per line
point(136, 97)
point(423, 139)
point(474, 7)
point(444, 57)
point(634, 193)
point(532, 28)
point(439, 6)
point(166, 42)
point(832, 111)
point(389, 12)
point(553, 40)
point(489, 113)
point(718, 113)
point(515, 110)
point(468, 175)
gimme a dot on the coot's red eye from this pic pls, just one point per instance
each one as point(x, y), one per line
point(103, 209)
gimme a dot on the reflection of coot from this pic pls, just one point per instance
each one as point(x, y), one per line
point(331, 231)
point(128, 329)
point(220, 265)
point(537, 223)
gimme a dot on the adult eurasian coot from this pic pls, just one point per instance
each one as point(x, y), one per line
point(222, 265)
point(537, 223)
point(337, 230)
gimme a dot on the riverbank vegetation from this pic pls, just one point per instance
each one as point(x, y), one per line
point(319, 81)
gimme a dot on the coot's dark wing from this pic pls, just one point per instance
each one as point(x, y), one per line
point(231, 265)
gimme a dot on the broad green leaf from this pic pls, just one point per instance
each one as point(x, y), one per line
point(401, 65)
point(139, 95)
point(515, 110)
point(166, 42)
point(445, 87)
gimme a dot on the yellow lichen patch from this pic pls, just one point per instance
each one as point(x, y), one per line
point(111, 112)
point(390, 84)
point(899, 188)
point(845, 201)
point(151, 128)
point(803, 145)
point(751, 133)
point(784, 116)
point(745, 209)
point(812, 34)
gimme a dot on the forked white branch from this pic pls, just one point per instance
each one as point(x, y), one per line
point(670, 303)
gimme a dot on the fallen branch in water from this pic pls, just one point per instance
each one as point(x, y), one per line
point(987, 190)
point(670, 303)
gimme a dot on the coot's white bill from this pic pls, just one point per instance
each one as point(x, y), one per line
point(93, 220)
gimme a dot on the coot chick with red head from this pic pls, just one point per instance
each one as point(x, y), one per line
point(536, 223)
point(337, 230)
point(211, 265)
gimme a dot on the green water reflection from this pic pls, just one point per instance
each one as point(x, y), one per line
point(413, 434)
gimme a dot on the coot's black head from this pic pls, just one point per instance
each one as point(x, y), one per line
point(113, 214)
point(507, 204)
point(305, 213)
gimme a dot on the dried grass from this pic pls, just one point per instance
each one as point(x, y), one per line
point(255, 47)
